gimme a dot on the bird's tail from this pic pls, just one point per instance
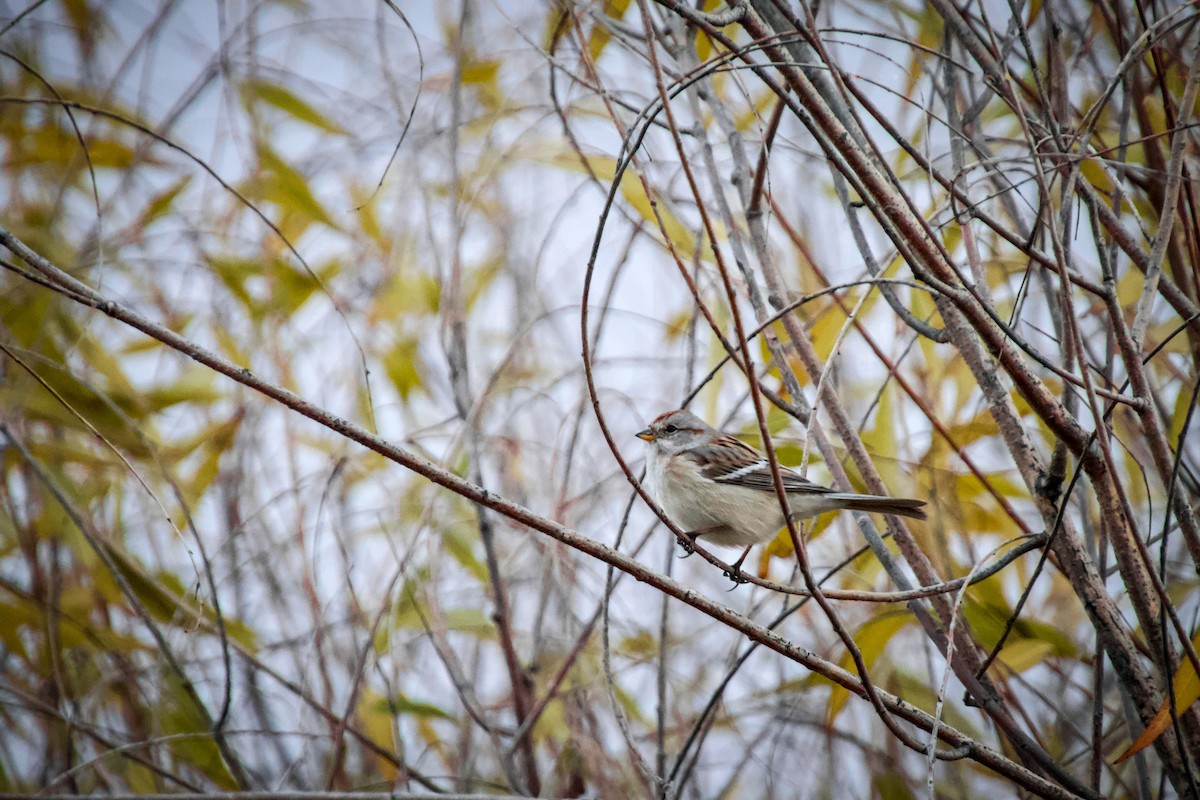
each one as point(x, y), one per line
point(900, 506)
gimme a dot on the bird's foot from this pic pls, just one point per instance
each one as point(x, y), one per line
point(687, 542)
point(734, 573)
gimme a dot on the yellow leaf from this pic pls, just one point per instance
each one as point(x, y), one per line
point(1025, 653)
point(282, 184)
point(614, 9)
point(891, 785)
point(951, 236)
point(11, 617)
point(160, 204)
point(631, 189)
point(57, 146)
point(987, 611)
point(779, 547)
point(403, 365)
point(1129, 287)
point(974, 507)
point(162, 595)
point(677, 325)
point(756, 112)
point(1183, 404)
point(825, 330)
point(275, 95)
point(965, 433)
point(480, 71)
point(881, 439)
point(635, 194)
point(84, 23)
point(1187, 691)
point(194, 385)
point(368, 221)
point(459, 545)
point(1035, 9)
point(416, 708)
point(291, 286)
point(871, 638)
point(110, 415)
point(642, 643)
point(375, 720)
point(704, 45)
point(231, 346)
point(1096, 176)
point(234, 274)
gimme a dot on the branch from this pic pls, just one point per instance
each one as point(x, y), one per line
point(976, 751)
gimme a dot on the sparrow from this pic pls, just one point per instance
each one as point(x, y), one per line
point(717, 487)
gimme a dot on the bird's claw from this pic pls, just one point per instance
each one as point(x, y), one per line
point(735, 574)
point(686, 545)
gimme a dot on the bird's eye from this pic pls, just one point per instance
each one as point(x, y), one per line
point(670, 429)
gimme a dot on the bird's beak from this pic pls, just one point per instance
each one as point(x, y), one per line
point(645, 436)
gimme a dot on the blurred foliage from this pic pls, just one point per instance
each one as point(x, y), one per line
point(201, 591)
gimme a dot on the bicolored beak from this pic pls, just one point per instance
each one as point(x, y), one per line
point(645, 436)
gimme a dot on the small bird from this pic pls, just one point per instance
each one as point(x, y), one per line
point(717, 487)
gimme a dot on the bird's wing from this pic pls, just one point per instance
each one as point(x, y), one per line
point(732, 461)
